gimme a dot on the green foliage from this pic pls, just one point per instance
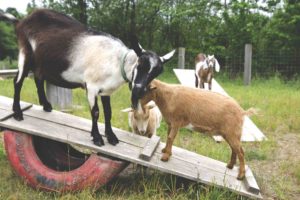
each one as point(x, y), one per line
point(210, 26)
point(8, 46)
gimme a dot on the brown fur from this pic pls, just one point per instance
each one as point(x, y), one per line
point(213, 113)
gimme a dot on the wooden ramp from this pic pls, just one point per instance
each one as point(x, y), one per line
point(250, 131)
point(75, 130)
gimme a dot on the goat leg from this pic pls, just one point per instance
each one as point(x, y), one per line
point(111, 137)
point(41, 93)
point(201, 83)
point(168, 149)
point(18, 114)
point(23, 64)
point(164, 150)
point(97, 139)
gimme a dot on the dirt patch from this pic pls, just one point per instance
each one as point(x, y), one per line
point(276, 175)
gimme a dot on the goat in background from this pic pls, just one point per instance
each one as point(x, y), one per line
point(204, 69)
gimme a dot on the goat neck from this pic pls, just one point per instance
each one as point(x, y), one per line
point(129, 63)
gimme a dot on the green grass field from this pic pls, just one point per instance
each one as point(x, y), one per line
point(275, 162)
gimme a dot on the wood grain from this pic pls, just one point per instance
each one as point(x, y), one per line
point(150, 147)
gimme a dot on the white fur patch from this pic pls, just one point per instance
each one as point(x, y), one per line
point(32, 44)
point(21, 63)
point(190, 127)
point(96, 60)
point(92, 92)
point(153, 63)
point(134, 77)
point(201, 65)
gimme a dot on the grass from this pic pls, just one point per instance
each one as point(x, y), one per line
point(279, 114)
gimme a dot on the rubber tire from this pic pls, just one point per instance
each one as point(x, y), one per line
point(93, 173)
point(57, 155)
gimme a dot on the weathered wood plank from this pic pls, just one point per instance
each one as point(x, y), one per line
point(132, 139)
point(5, 114)
point(8, 72)
point(250, 131)
point(150, 147)
point(250, 182)
point(186, 169)
point(182, 163)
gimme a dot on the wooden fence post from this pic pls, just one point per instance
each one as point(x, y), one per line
point(247, 64)
point(60, 98)
point(181, 56)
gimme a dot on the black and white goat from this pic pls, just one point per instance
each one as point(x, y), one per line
point(59, 49)
point(204, 69)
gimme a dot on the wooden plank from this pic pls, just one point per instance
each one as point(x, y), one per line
point(8, 72)
point(186, 169)
point(5, 73)
point(250, 182)
point(250, 131)
point(182, 163)
point(85, 125)
point(5, 114)
point(150, 147)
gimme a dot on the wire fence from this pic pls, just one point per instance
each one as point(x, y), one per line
point(264, 64)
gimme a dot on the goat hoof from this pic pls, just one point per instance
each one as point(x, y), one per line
point(113, 140)
point(99, 143)
point(47, 108)
point(165, 157)
point(229, 166)
point(18, 116)
point(240, 177)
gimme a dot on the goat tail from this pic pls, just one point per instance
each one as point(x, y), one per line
point(251, 111)
point(8, 17)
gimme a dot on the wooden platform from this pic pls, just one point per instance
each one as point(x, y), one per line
point(75, 130)
point(250, 131)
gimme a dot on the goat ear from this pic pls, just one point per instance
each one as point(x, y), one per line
point(152, 87)
point(217, 65)
point(167, 57)
point(151, 105)
point(135, 45)
point(127, 110)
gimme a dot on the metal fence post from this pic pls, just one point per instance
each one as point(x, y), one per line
point(60, 98)
point(181, 57)
point(247, 64)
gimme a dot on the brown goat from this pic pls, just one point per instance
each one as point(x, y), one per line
point(213, 113)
